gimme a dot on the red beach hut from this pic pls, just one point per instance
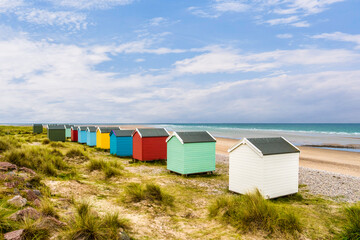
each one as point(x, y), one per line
point(74, 134)
point(149, 144)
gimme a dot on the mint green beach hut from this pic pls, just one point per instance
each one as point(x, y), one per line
point(191, 152)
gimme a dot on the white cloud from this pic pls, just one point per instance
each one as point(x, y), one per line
point(91, 4)
point(6, 5)
point(59, 18)
point(140, 60)
point(286, 20)
point(229, 60)
point(156, 21)
point(230, 6)
point(339, 36)
point(297, 9)
point(284, 35)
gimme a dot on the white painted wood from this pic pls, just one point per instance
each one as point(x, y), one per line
point(274, 175)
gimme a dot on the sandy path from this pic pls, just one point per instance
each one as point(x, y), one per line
point(322, 159)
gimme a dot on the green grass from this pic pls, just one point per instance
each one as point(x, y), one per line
point(110, 168)
point(351, 229)
point(6, 225)
point(76, 153)
point(251, 212)
point(48, 209)
point(87, 224)
point(135, 192)
point(57, 145)
point(37, 158)
point(34, 230)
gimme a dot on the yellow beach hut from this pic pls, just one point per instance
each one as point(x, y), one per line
point(103, 137)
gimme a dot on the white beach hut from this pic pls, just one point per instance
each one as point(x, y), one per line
point(268, 164)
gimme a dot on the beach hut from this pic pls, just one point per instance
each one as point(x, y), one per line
point(269, 164)
point(68, 130)
point(91, 136)
point(56, 133)
point(37, 128)
point(103, 137)
point(191, 152)
point(149, 144)
point(121, 143)
point(74, 133)
point(82, 136)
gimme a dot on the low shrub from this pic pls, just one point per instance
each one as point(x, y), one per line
point(6, 225)
point(87, 224)
point(48, 209)
point(37, 158)
point(76, 153)
point(45, 141)
point(251, 212)
point(57, 144)
point(351, 229)
point(110, 168)
point(4, 146)
point(34, 230)
point(136, 192)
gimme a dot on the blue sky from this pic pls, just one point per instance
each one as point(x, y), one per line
point(179, 61)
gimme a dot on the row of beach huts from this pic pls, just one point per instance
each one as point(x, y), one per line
point(268, 164)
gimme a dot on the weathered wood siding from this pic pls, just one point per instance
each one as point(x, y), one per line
point(137, 146)
point(281, 175)
point(153, 148)
point(113, 144)
point(199, 157)
point(56, 135)
point(246, 170)
point(175, 155)
point(74, 135)
point(68, 132)
point(82, 136)
point(91, 138)
point(124, 146)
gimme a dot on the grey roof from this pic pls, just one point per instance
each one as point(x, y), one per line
point(153, 132)
point(82, 128)
point(123, 133)
point(270, 146)
point(92, 129)
point(56, 127)
point(107, 129)
point(74, 127)
point(68, 125)
point(195, 137)
point(37, 125)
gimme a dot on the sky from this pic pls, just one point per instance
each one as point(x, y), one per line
point(179, 61)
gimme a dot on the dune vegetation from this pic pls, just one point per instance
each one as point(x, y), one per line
point(77, 192)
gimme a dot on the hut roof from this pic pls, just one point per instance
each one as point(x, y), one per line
point(56, 127)
point(91, 129)
point(82, 128)
point(270, 146)
point(107, 129)
point(122, 133)
point(193, 137)
point(152, 132)
point(37, 125)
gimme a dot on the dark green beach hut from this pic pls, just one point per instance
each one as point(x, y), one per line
point(56, 133)
point(37, 128)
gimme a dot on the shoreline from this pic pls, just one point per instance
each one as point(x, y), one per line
point(342, 162)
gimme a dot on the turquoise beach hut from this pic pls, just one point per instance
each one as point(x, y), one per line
point(191, 152)
point(68, 131)
point(91, 136)
point(82, 136)
point(121, 143)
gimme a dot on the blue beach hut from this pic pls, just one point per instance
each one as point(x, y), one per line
point(82, 137)
point(121, 143)
point(91, 136)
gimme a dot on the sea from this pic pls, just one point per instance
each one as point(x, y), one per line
point(298, 133)
point(343, 134)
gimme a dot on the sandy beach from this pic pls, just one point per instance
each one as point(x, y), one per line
point(343, 162)
point(335, 161)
